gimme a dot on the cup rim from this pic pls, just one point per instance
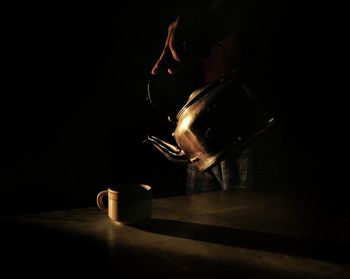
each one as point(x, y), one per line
point(130, 187)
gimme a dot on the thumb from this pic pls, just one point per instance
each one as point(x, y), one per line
point(166, 62)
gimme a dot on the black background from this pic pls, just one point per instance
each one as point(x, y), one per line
point(74, 112)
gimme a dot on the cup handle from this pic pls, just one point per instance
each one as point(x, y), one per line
point(99, 200)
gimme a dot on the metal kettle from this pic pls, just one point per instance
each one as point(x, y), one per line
point(217, 117)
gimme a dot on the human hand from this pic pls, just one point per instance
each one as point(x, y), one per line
point(187, 44)
point(172, 52)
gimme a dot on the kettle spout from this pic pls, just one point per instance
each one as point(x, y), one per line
point(170, 151)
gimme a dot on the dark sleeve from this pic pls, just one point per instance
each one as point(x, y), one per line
point(217, 18)
point(200, 25)
point(221, 16)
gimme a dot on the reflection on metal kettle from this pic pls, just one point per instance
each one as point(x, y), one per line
point(218, 117)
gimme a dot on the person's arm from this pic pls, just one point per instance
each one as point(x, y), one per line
point(192, 35)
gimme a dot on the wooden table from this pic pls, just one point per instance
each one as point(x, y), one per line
point(238, 234)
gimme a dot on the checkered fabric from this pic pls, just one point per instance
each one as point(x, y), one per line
point(230, 173)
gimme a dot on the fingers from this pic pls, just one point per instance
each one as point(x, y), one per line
point(169, 59)
point(167, 63)
point(173, 47)
point(157, 67)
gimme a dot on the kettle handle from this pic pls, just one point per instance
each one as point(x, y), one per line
point(170, 151)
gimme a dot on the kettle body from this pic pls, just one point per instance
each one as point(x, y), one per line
point(218, 117)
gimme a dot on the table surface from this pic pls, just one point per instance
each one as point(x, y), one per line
point(211, 234)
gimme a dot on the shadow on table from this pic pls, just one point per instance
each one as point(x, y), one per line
point(317, 249)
